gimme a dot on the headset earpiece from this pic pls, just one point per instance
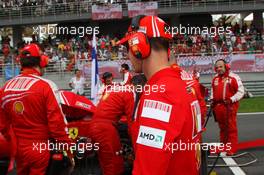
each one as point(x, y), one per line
point(227, 66)
point(139, 45)
point(44, 61)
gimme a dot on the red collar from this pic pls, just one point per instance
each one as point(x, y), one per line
point(26, 71)
point(176, 67)
point(170, 71)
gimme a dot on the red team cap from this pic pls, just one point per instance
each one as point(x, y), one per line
point(152, 26)
point(33, 50)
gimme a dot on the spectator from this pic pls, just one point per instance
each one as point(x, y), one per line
point(78, 83)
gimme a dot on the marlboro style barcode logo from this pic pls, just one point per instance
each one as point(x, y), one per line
point(20, 84)
point(156, 110)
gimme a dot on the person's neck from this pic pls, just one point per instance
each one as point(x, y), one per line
point(154, 63)
point(32, 70)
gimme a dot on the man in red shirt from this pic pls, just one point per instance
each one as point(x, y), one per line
point(227, 90)
point(30, 109)
point(166, 115)
point(103, 130)
point(115, 103)
point(127, 76)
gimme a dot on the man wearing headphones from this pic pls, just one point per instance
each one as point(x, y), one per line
point(227, 90)
point(164, 118)
point(30, 110)
point(126, 74)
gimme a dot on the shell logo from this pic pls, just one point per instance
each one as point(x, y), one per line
point(19, 107)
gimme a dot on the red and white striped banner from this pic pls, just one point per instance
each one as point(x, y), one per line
point(142, 8)
point(110, 11)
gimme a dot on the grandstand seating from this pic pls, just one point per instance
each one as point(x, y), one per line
point(48, 13)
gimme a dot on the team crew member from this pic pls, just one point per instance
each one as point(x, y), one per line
point(162, 117)
point(102, 128)
point(227, 90)
point(127, 76)
point(29, 106)
point(107, 83)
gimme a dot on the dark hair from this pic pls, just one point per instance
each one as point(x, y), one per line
point(107, 75)
point(220, 60)
point(125, 66)
point(159, 44)
point(76, 70)
point(30, 62)
point(139, 80)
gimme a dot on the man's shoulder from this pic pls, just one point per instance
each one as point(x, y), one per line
point(46, 82)
point(171, 82)
point(170, 89)
point(216, 76)
point(20, 83)
point(234, 75)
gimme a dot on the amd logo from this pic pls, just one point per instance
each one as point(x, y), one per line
point(150, 137)
point(147, 136)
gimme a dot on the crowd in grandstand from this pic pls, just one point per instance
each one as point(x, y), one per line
point(224, 43)
point(26, 3)
point(21, 3)
point(67, 51)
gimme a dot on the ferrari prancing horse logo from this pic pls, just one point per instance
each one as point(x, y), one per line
point(73, 133)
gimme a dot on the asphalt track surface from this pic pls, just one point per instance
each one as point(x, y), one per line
point(250, 127)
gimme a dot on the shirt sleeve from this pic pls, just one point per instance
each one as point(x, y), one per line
point(212, 90)
point(100, 92)
point(71, 80)
point(126, 76)
point(56, 120)
point(129, 102)
point(5, 121)
point(240, 89)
